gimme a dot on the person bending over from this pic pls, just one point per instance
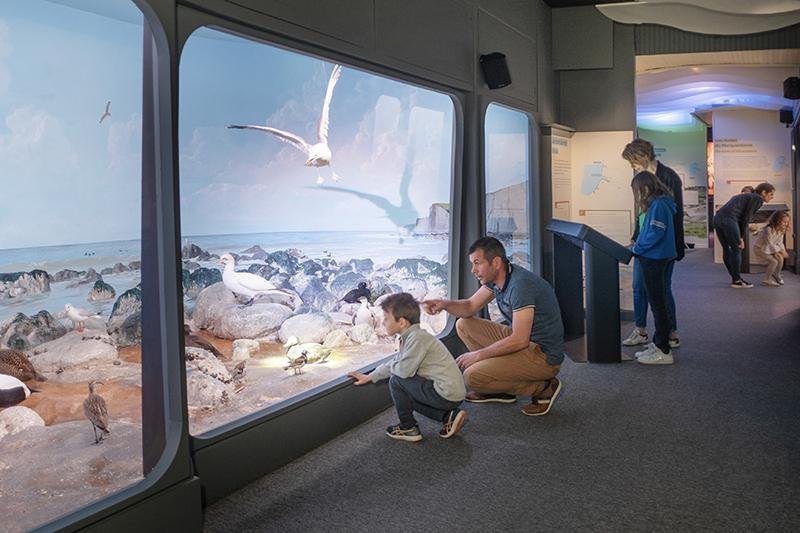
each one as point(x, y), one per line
point(523, 354)
point(423, 376)
point(730, 223)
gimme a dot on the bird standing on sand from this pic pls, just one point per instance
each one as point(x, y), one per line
point(249, 284)
point(297, 364)
point(15, 363)
point(12, 391)
point(79, 316)
point(95, 409)
point(106, 113)
point(319, 155)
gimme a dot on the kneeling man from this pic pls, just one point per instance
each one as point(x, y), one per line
point(523, 354)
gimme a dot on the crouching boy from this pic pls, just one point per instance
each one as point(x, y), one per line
point(423, 376)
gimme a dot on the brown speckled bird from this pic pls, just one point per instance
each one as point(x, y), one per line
point(15, 363)
point(297, 364)
point(95, 409)
point(196, 341)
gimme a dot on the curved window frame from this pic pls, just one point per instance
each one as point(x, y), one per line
point(535, 212)
point(169, 462)
point(210, 445)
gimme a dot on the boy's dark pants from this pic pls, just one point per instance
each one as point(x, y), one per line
point(417, 394)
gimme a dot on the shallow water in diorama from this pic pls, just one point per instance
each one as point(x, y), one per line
point(49, 462)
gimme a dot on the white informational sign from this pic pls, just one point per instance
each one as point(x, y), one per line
point(601, 183)
point(750, 147)
point(561, 174)
point(601, 192)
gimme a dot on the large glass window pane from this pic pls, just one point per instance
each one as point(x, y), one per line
point(70, 172)
point(507, 183)
point(292, 233)
point(507, 168)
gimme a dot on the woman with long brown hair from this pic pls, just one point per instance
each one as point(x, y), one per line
point(655, 249)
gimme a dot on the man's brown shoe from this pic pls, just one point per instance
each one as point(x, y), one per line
point(541, 404)
point(476, 397)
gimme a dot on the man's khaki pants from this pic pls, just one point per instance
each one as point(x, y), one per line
point(520, 373)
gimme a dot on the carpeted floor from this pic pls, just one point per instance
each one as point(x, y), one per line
point(709, 443)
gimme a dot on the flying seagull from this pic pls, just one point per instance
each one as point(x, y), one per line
point(106, 113)
point(319, 155)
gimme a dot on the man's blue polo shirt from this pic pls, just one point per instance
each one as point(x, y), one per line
point(524, 289)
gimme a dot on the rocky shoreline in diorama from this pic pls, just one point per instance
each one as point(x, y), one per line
point(319, 319)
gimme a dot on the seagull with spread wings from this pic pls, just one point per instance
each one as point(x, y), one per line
point(319, 154)
point(106, 113)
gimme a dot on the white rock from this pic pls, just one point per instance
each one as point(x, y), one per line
point(244, 349)
point(310, 327)
point(363, 334)
point(416, 287)
point(207, 363)
point(341, 318)
point(15, 419)
point(217, 311)
point(73, 349)
point(336, 338)
point(205, 392)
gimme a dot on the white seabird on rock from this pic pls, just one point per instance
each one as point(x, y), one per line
point(319, 155)
point(249, 284)
point(365, 314)
point(79, 316)
point(12, 391)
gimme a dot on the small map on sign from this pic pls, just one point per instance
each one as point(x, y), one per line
point(592, 177)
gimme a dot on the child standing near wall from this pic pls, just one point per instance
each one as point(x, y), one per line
point(423, 376)
point(769, 247)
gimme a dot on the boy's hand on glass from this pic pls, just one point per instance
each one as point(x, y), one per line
point(361, 379)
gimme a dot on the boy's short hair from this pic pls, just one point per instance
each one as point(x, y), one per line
point(639, 151)
point(491, 247)
point(402, 305)
point(764, 187)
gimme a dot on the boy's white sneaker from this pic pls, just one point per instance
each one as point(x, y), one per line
point(635, 338)
point(656, 357)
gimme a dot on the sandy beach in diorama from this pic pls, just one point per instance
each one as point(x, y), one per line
point(307, 321)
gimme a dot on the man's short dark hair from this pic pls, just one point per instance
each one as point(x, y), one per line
point(764, 187)
point(402, 305)
point(491, 248)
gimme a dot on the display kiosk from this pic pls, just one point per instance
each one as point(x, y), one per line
point(601, 320)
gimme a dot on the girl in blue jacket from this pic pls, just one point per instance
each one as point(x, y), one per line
point(655, 248)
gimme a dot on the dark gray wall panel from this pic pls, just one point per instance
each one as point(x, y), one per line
point(440, 41)
point(582, 39)
point(520, 51)
point(546, 104)
point(515, 13)
point(602, 99)
point(347, 20)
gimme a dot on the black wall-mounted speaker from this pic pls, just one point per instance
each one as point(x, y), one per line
point(791, 88)
point(495, 70)
point(786, 116)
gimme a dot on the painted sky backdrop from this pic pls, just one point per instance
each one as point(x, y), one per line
point(65, 178)
point(386, 138)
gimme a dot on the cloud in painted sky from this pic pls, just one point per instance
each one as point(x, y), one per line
point(5, 52)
